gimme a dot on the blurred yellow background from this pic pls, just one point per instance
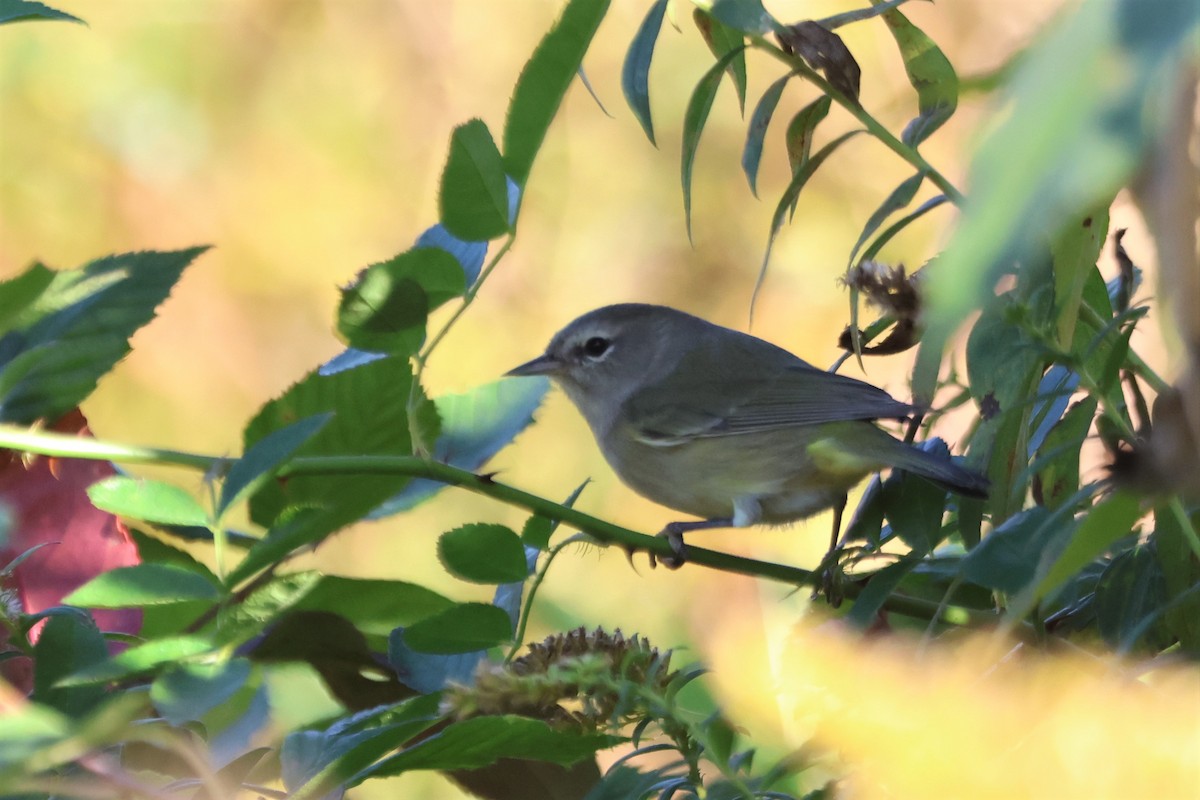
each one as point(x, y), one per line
point(304, 140)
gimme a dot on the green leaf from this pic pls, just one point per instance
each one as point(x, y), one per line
point(880, 586)
point(1059, 476)
point(368, 403)
point(635, 73)
point(187, 692)
point(1181, 571)
point(474, 427)
point(1007, 559)
point(900, 197)
point(693, 125)
point(722, 40)
point(756, 132)
point(19, 295)
point(67, 643)
point(1066, 142)
point(536, 532)
point(900, 224)
point(1101, 526)
point(1130, 600)
point(473, 202)
point(799, 135)
point(544, 82)
point(145, 499)
point(748, 16)
point(374, 606)
point(460, 628)
point(137, 660)
point(914, 507)
point(142, 584)
point(27, 10)
point(859, 14)
point(477, 742)
point(483, 553)
point(264, 457)
point(81, 329)
point(929, 72)
point(385, 309)
point(1075, 252)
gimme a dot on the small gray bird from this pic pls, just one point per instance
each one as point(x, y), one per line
point(723, 425)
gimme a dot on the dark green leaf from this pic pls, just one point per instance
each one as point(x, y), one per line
point(536, 532)
point(480, 741)
point(1058, 478)
point(86, 316)
point(1181, 571)
point(879, 587)
point(136, 660)
point(145, 499)
point(721, 40)
point(369, 405)
point(473, 202)
point(635, 74)
point(19, 295)
point(747, 16)
point(1008, 558)
point(1130, 600)
point(374, 606)
point(67, 643)
point(756, 132)
point(1101, 526)
point(900, 197)
point(693, 124)
point(544, 82)
point(27, 10)
point(385, 309)
point(914, 507)
point(189, 691)
point(264, 457)
point(460, 628)
point(483, 553)
point(800, 130)
point(142, 584)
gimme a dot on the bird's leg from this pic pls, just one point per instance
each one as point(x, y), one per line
point(674, 532)
point(829, 563)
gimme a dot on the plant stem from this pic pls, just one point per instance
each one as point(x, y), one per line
point(66, 446)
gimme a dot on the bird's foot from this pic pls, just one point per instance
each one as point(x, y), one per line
point(674, 536)
point(830, 579)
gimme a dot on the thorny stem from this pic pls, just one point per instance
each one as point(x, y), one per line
point(66, 446)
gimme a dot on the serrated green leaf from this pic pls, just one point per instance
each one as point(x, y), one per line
point(635, 72)
point(187, 692)
point(266, 455)
point(374, 606)
point(899, 198)
point(67, 643)
point(28, 10)
point(756, 132)
point(693, 125)
point(473, 201)
point(477, 742)
point(722, 40)
point(82, 328)
point(368, 403)
point(384, 311)
point(929, 72)
point(18, 295)
point(152, 501)
point(142, 584)
point(137, 660)
point(460, 628)
point(483, 553)
point(544, 81)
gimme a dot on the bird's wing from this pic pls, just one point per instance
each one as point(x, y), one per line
point(748, 390)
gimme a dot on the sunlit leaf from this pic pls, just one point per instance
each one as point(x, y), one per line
point(268, 453)
point(142, 585)
point(139, 659)
point(460, 628)
point(929, 72)
point(721, 40)
point(152, 501)
point(473, 201)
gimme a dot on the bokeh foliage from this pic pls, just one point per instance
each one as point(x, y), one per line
point(1055, 558)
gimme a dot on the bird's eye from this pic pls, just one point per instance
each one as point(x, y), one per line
point(595, 347)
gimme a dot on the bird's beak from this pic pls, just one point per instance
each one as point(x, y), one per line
point(542, 365)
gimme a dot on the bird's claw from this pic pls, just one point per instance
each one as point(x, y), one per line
point(678, 557)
